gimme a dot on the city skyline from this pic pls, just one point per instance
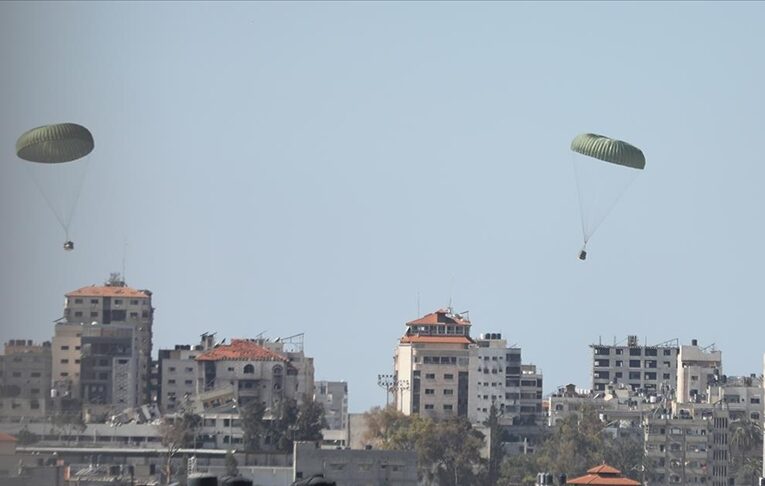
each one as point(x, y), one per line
point(331, 168)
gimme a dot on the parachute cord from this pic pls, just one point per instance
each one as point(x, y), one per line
point(86, 163)
point(50, 204)
point(581, 202)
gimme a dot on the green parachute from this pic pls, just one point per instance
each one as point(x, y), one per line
point(604, 168)
point(55, 150)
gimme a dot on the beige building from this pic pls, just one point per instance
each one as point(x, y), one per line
point(25, 379)
point(116, 303)
point(634, 365)
point(697, 369)
point(432, 364)
point(246, 370)
point(66, 354)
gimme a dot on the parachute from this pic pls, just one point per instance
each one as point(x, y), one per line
point(53, 149)
point(604, 169)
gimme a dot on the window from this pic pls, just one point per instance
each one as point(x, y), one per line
point(188, 382)
point(667, 352)
point(754, 400)
point(428, 406)
point(93, 313)
point(619, 363)
point(634, 375)
point(134, 315)
point(634, 363)
point(635, 351)
point(231, 369)
point(64, 361)
point(449, 376)
point(430, 376)
point(448, 391)
point(94, 301)
point(64, 374)
point(134, 302)
point(171, 382)
point(650, 351)
point(78, 301)
point(35, 374)
point(117, 301)
point(618, 374)
point(248, 369)
point(78, 314)
point(429, 391)
point(448, 407)
point(64, 348)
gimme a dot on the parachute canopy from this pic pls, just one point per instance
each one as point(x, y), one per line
point(55, 144)
point(609, 150)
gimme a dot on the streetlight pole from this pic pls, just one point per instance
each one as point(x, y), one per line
point(391, 384)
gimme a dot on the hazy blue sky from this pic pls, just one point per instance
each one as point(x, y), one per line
point(308, 167)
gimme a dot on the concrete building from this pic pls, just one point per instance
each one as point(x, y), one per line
point(355, 467)
point(109, 370)
point(178, 373)
point(66, 355)
point(639, 367)
point(247, 370)
point(532, 411)
point(115, 303)
point(689, 446)
point(432, 366)
point(333, 395)
point(698, 369)
point(25, 379)
point(494, 377)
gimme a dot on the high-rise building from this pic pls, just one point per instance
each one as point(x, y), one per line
point(114, 303)
point(333, 396)
point(25, 378)
point(697, 369)
point(639, 367)
point(177, 373)
point(432, 364)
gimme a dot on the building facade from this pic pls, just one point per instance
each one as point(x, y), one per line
point(26, 377)
point(698, 369)
point(639, 367)
point(432, 366)
point(114, 303)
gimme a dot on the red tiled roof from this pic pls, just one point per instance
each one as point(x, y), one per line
point(441, 316)
point(108, 291)
point(7, 437)
point(604, 474)
point(241, 350)
point(603, 469)
point(436, 339)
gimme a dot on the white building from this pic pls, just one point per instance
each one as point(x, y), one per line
point(697, 369)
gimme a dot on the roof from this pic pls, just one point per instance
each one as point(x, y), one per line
point(436, 339)
point(604, 474)
point(7, 437)
point(108, 291)
point(441, 316)
point(241, 350)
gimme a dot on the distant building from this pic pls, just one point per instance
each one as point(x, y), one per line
point(691, 446)
point(432, 365)
point(639, 367)
point(698, 368)
point(111, 304)
point(246, 370)
point(109, 370)
point(333, 396)
point(496, 376)
point(178, 373)
point(354, 467)
point(25, 371)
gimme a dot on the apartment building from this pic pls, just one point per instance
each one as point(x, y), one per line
point(178, 373)
point(245, 371)
point(333, 396)
point(115, 303)
point(639, 367)
point(25, 369)
point(690, 446)
point(494, 378)
point(432, 365)
point(66, 352)
point(109, 370)
point(698, 369)
point(532, 411)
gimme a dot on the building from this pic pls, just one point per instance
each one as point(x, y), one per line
point(348, 467)
point(66, 354)
point(109, 370)
point(26, 378)
point(639, 367)
point(432, 365)
point(111, 304)
point(689, 446)
point(177, 373)
point(532, 411)
point(698, 369)
point(246, 370)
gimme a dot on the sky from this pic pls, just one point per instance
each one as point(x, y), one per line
point(337, 169)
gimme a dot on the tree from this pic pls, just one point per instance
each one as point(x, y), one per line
point(386, 428)
point(310, 421)
point(496, 452)
point(25, 437)
point(746, 450)
point(232, 466)
point(253, 424)
point(66, 422)
point(178, 432)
